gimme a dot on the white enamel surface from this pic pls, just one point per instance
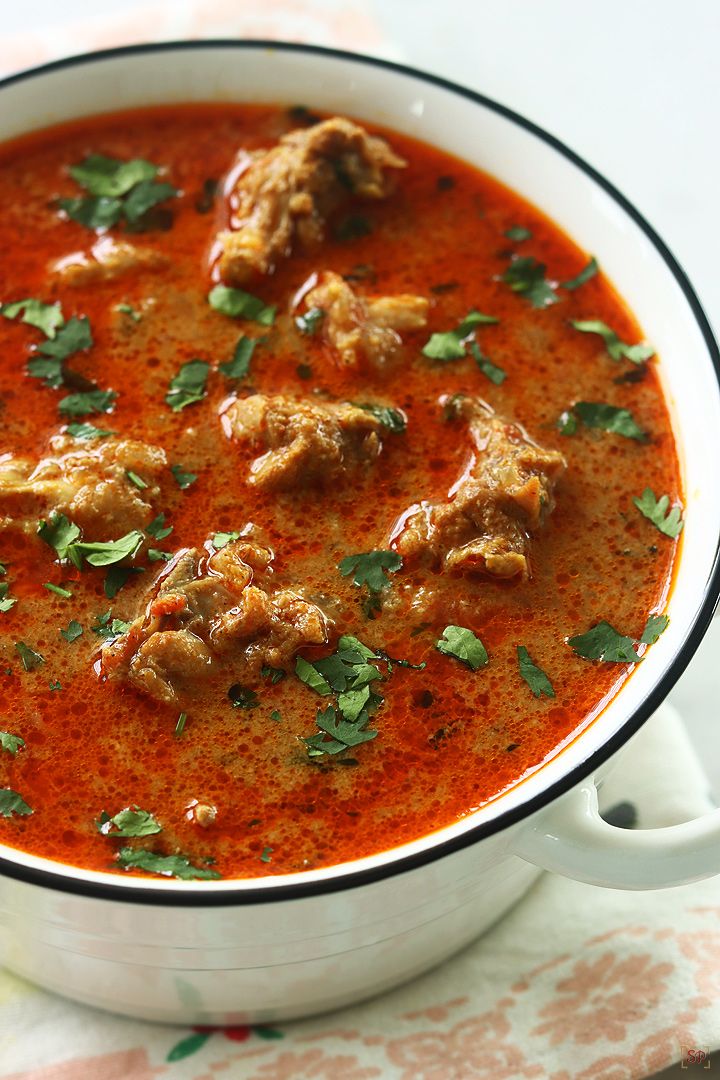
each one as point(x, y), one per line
point(90, 948)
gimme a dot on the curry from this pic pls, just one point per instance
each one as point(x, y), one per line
point(337, 491)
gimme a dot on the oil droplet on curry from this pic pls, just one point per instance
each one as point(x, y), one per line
point(337, 491)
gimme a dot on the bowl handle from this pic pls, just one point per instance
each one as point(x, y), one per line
point(570, 838)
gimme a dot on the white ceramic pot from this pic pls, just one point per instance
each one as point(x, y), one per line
point(263, 950)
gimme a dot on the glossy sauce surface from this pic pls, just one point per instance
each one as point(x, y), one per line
point(450, 739)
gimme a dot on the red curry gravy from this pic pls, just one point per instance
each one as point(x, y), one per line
point(449, 739)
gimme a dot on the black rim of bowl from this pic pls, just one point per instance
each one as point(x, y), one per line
point(203, 896)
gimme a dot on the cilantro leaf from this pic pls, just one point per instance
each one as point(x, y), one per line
point(336, 733)
point(129, 310)
point(239, 366)
point(101, 175)
point(132, 821)
point(6, 602)
point(158, 555)
point(45, 317)
point(143, 197)
point(242, 697)
point(91, 401)
point(567, 422)
point(105, 626)
point(93, 213)
point(534, 676)
point(177, 866)
point(28, 657)
point(525, 275)
point(616, 348)
point(87, 431)
point(310, 321)
point(10, 743)
point(392, 419)
point(463, 644)
point(588, 271)
point(12, 803)
point(222, 539)
point(158, 529)
point(308, 673)
point(604, 642)
point(117, 577)
point(274, 674)
point(518, 233)
point(491, 371)
point(239, 304)
point(182, 479)
point(189, 385)
point(597, 414)
point(450, 345)
point(667, 521)
point(654, 627)
point(105, 553)
point(50, 371)
point(58, 533)
point(72, 337)
point(367, 569)
point(73, 632)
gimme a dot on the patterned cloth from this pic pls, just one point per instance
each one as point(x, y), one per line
point(576, 983)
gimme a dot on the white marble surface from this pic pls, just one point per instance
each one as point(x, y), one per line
point(632, 85)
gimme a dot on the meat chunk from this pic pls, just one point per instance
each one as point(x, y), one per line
point(91, 486)
point(204, 607)
point(359, 328)
point(504, 496)
point(306, 443)
point(286, 193)
point(107, 260)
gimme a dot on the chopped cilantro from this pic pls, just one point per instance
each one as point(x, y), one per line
point(91, 401)
point(117, 189)
point(242, 697)
point(10, 743)
point(337, 734)
point(183, 479)
point(534, 676)
point(143, 197)
point(177, 866)
point(604, 642)
point(72, 632)
point(87, 431)
point(525, 275)
point(132, 821)
point(239, 366)
point(158, 555)
point(588, 271)
point(265, 857)
point(117, 577)
point(105, 626)
point(129, 310)
point(450, 345)
point(158, 529)
point(310, 321)
point(567, 422)
point(518, 233)
point(6, 602)
point(105, 553)
point(73, 336)
point(667, 521)
point(101, 175)
point(464, 645)
point(28, 657)
point(222, 539)
point(275, 715)
point(93, 213)
point(12, 803)
point(654, 627)
point(392, 419)
point(274, 674)
point(189, 385)
point(241, 305)
point(307, 673)
point(65, 593)
point(45, 317)
point(491, 371)
point(597, 414)
point(616, 348)
point(55, 685)
point(368, 568)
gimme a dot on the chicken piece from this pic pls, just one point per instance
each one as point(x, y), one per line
point(107, 260)
point(206, 606)
point(360, 328)
point(286, 193)
point(307, 443)
point(502, 497)
point(89, 485)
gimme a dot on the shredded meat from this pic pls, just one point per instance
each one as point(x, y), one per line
point(504, 496)
point(89, 485)
point(307, 443)
point(107, 260)
point(205, 606)
point(286, 193)
point(364, 328)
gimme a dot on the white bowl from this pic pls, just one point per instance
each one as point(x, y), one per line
point(263, 950)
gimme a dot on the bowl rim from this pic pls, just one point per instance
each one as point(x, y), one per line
point(127, 889)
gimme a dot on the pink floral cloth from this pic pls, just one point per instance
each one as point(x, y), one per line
point(576, 983)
